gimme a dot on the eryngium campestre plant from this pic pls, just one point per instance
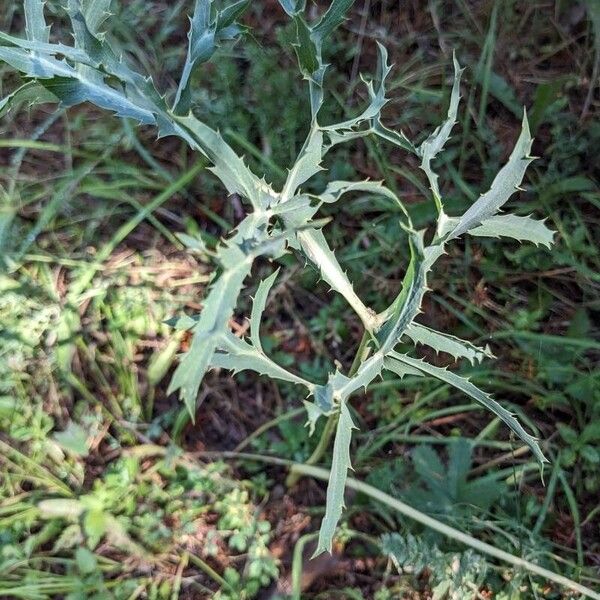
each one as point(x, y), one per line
point(279, 220)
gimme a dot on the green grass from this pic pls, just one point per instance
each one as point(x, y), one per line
point(92, 271)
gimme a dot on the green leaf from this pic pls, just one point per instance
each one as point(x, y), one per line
point(377, 98)
point(369, 122)
point(443, 342)
point(30, 93)
point(258, 307)
point(313, 412)
point(94, 524)
point(591, 433)
point(407, 304)
point(395, 137)
point(332, 19)
point(401, 369)
point(519, 228)
point(228, 166)
point(201, 46)
point(194, 243)
point(238, 355)
point(459, 465)
point(293, 7)
point(435, 143)
point(78, 89)
point(207, 31)
point(74, 439)
point(95, 12)
point(336, 189)
point(568, 434)
point(307, 164)
point(590, 454)
point(44, 48)
point(337, 480)
point(474, 392)
point(86, 561)
point(339, 387)
point(306, 51)
point(230, 14)
point(316, 249)
point(35, 22)
point(73, 86)
point(505, 184)
point(214, 321)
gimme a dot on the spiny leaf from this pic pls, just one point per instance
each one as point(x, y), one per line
point(258, 307)
point(367, 372)
point(95, 12)
point(30, 93)
point(205, 34)
point(214, 321)
point(336, 189)
point(316, 249)
point(31, 65)
point(332, 19)
point(377, 98)
point(194, 243)
point(293, 7)
point(337, 480)
point(71, 86)
point(238, 355)
point(435, 143)
point(474, 392)
point(443, 342)
point(201, 38)
point(35, 22)
point(395, 137)
point(306, 50)
point(505, 184)
point(369, 122)
point(307, 164)
point(296, 212)
point(407, 305)
point(313, 413)
point(228, 16)
point(68, 52)
point(75, 90)
point(339, 387)
point(228, 166)
point(401, 369)
point(519, 228)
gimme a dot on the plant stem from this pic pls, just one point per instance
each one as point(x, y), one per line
point(297, 564)
point(330, 426)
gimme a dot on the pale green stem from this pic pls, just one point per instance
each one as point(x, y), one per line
point(297, 564)
point(332, 420)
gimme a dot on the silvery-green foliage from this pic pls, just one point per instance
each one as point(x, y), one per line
point(93, 71)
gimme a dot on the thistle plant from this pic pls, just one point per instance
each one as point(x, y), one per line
point(279, 221)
